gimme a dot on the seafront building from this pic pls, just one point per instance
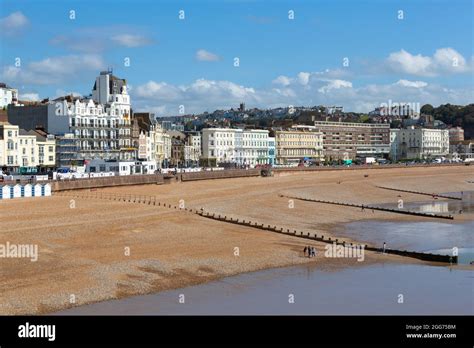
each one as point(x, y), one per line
point(419, 143)
point(462, 149)
point(456, 134)
point(349, 140)
point(99, 126)
point(192, 149)
point(296, 145)
point(271, 151)
point(25, 151)
point(235, 147)
point(161, 146)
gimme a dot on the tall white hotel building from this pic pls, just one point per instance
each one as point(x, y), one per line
point(96, 127)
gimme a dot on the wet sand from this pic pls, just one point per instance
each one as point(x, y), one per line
point(83, 250)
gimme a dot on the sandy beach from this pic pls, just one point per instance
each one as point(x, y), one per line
point(93, 250)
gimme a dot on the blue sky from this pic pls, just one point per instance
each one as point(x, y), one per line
point(425, 57)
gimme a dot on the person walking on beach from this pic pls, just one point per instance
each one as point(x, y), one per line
point(305, 249)
point(384, 246)
point(362, 207)
point(313, 251)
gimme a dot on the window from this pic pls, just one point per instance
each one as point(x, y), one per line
point(51, 148)
point(51, 158)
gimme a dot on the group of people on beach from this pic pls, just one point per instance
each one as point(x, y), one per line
point(309, 251)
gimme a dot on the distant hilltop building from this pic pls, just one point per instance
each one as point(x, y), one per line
point(334, 110)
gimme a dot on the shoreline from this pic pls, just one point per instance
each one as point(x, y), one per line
point(142, 304)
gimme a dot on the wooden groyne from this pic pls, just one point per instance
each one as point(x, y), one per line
point(152, 200)
point(363, 206)
point(421, 193)
point(328, 240)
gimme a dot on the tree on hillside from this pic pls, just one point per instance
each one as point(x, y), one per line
point(427, 109)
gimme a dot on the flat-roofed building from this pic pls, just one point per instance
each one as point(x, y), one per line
point(297, 145)
point(456, 134)
point(235, 147)
point(422, 143)
point(349, 140)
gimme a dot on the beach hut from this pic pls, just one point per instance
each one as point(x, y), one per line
point(17, 191)
point(5, 192)
point(27, 190)
point(36, 190)
point(46, 190)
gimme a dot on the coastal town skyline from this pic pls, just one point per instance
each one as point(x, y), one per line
point(298, 55)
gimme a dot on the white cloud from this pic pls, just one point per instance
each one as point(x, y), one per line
point(303, 78)
point(53, 70)
point(206, 56)
point(282, 80)
point(130, 40)
point(405, 62)
point(334, 84)
point(103, 38)
point(444, 61)
point(158, 90)
point(414, 84)
point(13, 23)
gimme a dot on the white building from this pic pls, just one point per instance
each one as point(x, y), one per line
point(235, 146)
point(27, 149)
point(9, 145)
point(98, 127)
point(8, 95)
point(419, 143)
point(19, 148)
point(160, 146)
point(254, 147)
